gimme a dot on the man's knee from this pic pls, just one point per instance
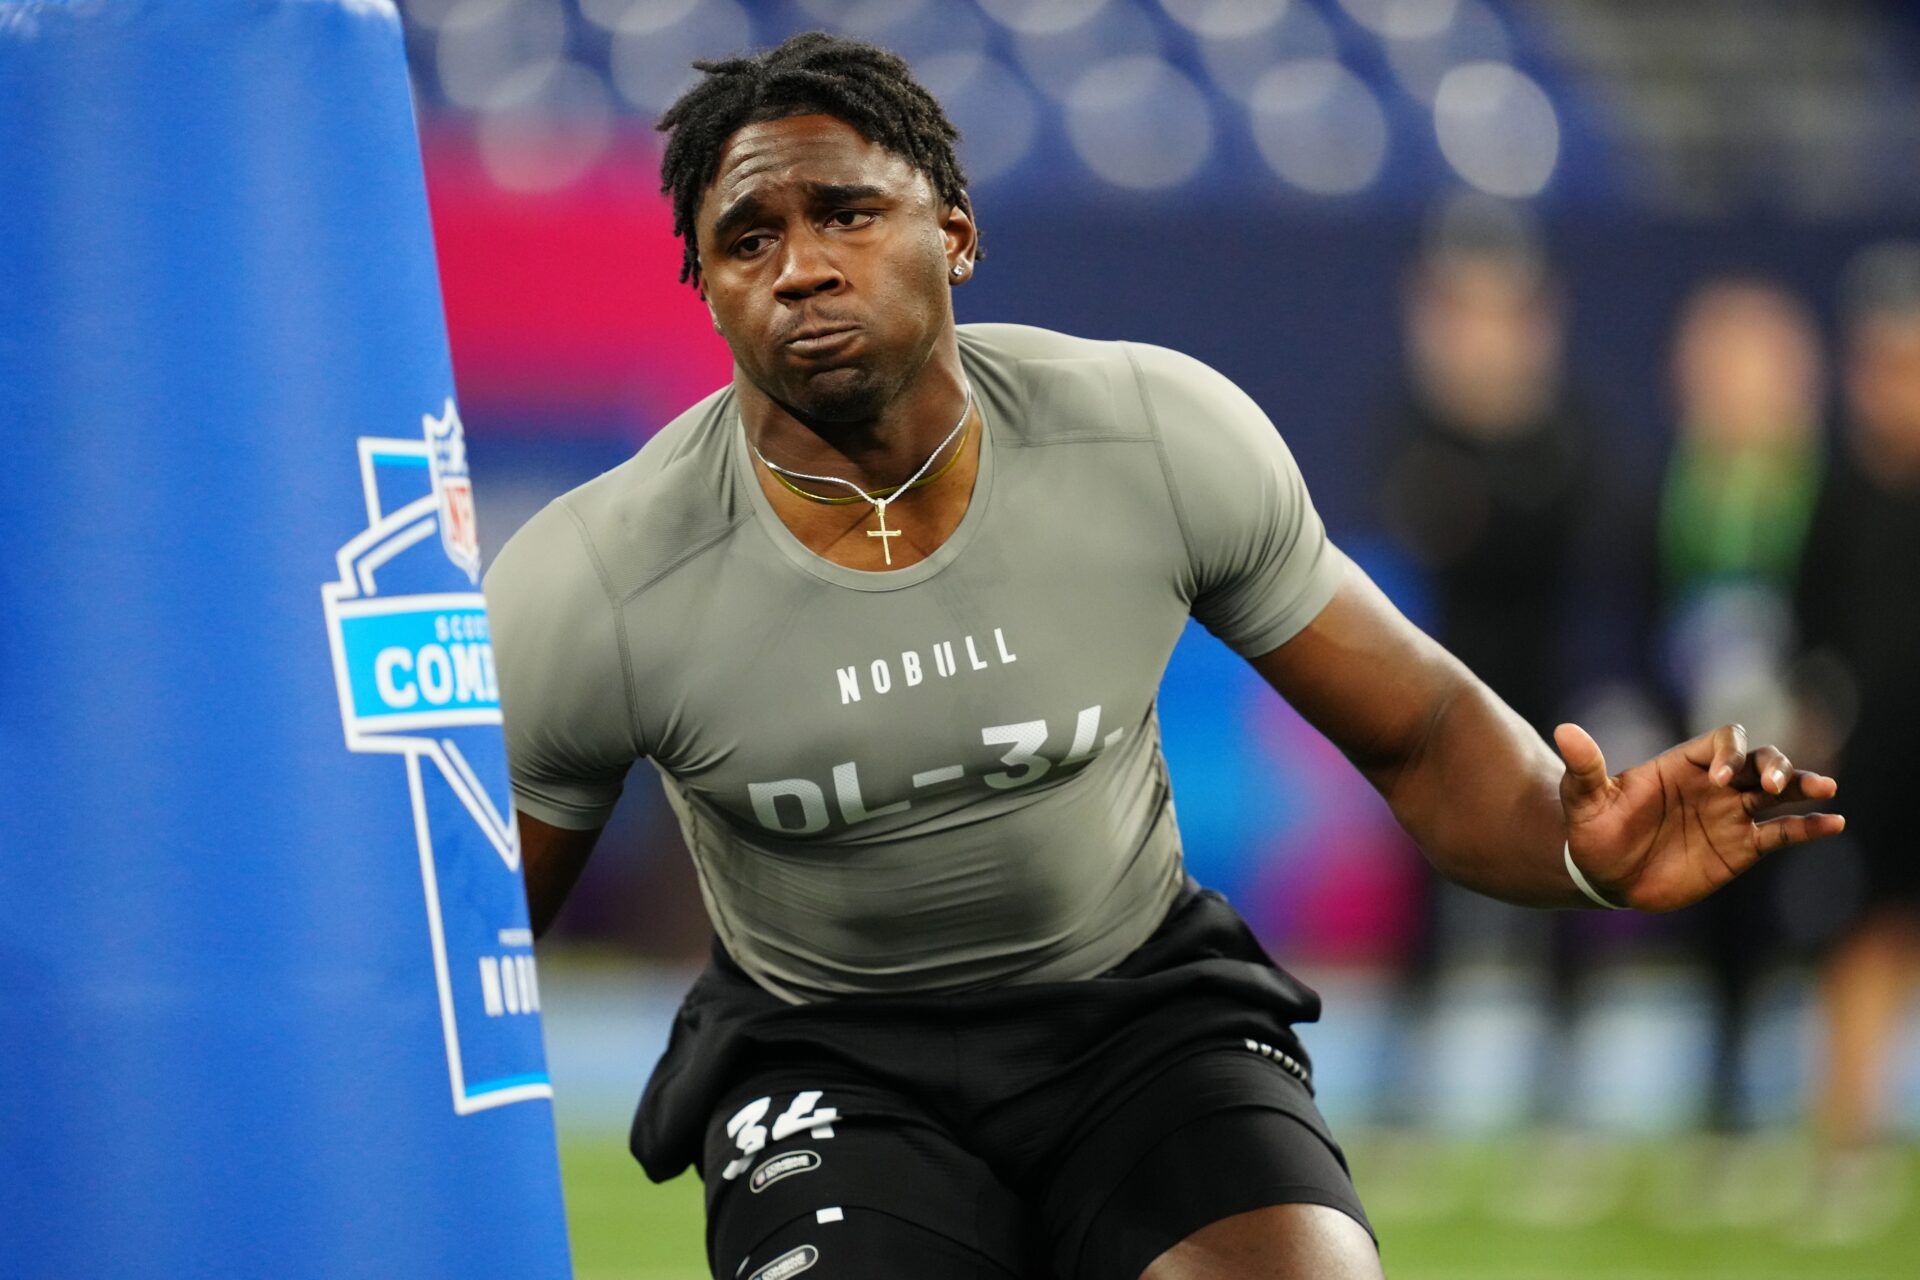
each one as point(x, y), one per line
point(1280, 1242)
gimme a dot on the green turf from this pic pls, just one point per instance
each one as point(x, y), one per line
point(624, 1228)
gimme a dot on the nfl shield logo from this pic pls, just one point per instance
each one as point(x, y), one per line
point(453, 488)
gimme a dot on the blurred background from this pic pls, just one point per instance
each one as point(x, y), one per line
point(1593, 328)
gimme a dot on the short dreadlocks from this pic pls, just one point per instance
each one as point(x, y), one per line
point(813, 72)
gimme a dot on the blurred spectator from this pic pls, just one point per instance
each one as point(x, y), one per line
point(1860, 612)
point(1737, 498)
point(1484, 480)
point(1735, 504)
point(1487, 485)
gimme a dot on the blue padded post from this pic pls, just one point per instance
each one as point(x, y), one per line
point(267, 999)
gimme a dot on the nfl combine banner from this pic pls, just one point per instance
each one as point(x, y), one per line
point(413, 665)
point(271, 1005)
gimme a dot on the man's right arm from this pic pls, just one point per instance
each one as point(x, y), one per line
point(570, 730)
point(551, 859)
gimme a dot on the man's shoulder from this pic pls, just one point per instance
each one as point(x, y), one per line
point(1192, 402)
point(1047, 355)
point(635, 522)
point(1018, 342)
point(1021, 343)
point(1062, 387)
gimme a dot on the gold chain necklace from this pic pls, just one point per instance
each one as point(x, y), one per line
point(878, 493)
point(879, 498)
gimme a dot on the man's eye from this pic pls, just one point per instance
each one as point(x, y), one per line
point(747, 244)
point(850, 217)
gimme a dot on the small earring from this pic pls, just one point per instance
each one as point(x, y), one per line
point(959, 271)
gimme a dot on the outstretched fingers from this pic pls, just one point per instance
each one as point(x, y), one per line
point(1778, 833)
point(1801, 785)
point(1725, 752)
point(1764, 772)
point(1769, 768)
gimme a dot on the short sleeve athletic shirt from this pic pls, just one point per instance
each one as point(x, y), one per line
point(936, 778)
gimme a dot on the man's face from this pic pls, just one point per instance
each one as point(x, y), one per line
point(1747, 366)
point(809, 227)
point(1485, 336)
point(1883, 379)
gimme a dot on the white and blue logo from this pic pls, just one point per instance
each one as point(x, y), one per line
point(413, 661)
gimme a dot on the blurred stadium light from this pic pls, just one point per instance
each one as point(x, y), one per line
point(1319, 126)
point(1138, 122)
point(1497, 129)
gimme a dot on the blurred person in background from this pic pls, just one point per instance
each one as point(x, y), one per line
point(1735, 505)
point(1859, 611)
point(1486, 475)
point(1488, 486)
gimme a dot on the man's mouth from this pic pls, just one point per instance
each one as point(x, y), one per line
point(815, 339)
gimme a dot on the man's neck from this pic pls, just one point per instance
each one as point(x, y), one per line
point(875, 453)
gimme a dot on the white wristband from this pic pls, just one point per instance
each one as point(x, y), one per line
point(1580, 882)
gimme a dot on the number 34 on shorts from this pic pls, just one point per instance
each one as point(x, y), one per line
point(751, 1137)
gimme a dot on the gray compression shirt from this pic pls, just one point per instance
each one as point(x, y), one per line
point(941, 777)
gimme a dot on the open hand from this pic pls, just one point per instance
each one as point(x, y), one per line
point(1666, 833)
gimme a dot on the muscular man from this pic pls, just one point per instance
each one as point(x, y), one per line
point(887, 613)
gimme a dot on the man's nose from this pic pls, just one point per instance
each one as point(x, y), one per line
point(808, 268)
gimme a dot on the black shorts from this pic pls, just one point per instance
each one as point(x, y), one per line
point(1068, 1129)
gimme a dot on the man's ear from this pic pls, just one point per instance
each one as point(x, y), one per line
point(962, 233)
point(711, 315)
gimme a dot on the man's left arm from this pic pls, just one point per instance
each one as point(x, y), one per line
point(1491, 804)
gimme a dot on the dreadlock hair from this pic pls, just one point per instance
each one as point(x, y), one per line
point(811, 73)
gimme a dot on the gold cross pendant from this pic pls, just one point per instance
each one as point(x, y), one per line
point(883, 533)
